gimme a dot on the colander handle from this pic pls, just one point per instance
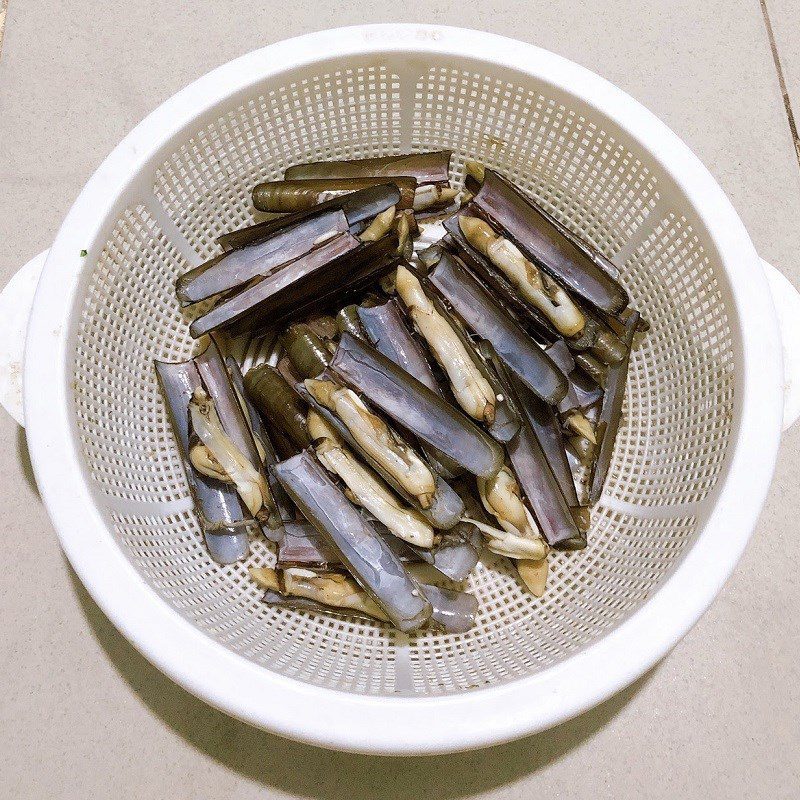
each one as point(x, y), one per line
point(787, 305)
point(16, 300)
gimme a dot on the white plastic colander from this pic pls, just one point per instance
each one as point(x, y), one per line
point(693, 461)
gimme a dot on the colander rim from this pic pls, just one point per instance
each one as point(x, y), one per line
point(379, 724)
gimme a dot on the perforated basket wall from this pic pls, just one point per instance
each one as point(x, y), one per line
point(680, 405)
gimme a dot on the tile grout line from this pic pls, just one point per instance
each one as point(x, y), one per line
point(3, 9)
point(787, 103)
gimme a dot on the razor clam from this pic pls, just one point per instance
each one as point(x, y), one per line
point(299, 195)
point(445, 505)
point(533, 574)
point(262, 441)
point(519, 537)
point(542, 489)
point(222, 521)
point(431, 167)
point(279, 404)
point(276, 599)
point(339, 595)
point(405, 244)
point(307, 352)
point(611, 412)
point(453, 611)
point(592, 367)
point(494, 280)
point(329, 592)
point(542, 241)
point(546, 427)
point(357, 207)
point(302, 546)
point(380, 226)
point(386, 329)
point(236, 268)
point(458, 551)
point(486, 318)
point(365, 488)
point(433, 196)
point(360, 546)
point(469, 385)
point(347, 320)
point(333, 590)
point(536, 478)
point(471, 375)
point(227, 405)
point(583, 329)
point(217, 456)
point(414, 407)
point(539, 289)
point(387, 332)
point(338, 266)
point(383, 445)
point(324, 326)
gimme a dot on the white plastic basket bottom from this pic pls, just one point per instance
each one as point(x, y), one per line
point(680, 406)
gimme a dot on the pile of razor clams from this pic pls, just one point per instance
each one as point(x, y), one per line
point(415, 404)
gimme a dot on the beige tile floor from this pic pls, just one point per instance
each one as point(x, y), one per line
point(84, 716)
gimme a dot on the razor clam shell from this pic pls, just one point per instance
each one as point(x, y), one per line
point(345, 279)
point(219, 385)
point(415, 407)
point(453, 611)
point(490, 321)
point(495, 282)
point(278, 600)
point(216, 503)
point(386, 329)
point(458, 552)
point(307, 352)
point(265, 292)
point(545, 425)
point(446, 508)
point(433, 167)
point(358, 207)
point(583, 391)
point(302, 546)
point(302, 194)
point(592, 367)
point(546, 245)
point(285, 507)
point(360, 546)
point(348, 320)
point(539, 483)
point(280, 404)
point(236, 268)
point(560, 354)
point(505, 422)
point(611, 412)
